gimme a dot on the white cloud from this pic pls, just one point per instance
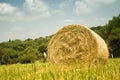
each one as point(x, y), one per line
point(97, 3)
point(37, 7)
point(9, 13)
point(6, 9)
point(32, 10)
point(94, 21)
point(18, 32)
point(14, 33)
point(77, 7)
point(68, 21)
point(64, 7)
point(64, 22)
point(87, 6)
point(17, 28)
point(59, 12)
point(81, 8)
point(101, 1)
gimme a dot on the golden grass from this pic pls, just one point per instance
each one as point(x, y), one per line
point(47, 71)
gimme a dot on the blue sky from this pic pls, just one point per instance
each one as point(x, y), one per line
point(22, 19)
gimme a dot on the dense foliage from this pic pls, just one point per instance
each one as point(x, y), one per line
point(111, 34)
point(29, 50)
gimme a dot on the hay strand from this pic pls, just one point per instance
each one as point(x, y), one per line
point(77, 44)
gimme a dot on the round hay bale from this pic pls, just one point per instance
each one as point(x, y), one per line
point(77, 44)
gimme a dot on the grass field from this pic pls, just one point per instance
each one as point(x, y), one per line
point(47, 71)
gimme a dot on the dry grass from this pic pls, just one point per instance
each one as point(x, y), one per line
point(46, 71)
point(77, 44)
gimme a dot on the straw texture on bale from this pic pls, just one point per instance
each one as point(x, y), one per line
point(77, 44)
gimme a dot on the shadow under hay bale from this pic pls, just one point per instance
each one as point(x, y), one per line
point(77, 44)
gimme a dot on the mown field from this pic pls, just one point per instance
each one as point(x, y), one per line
point(47, 71)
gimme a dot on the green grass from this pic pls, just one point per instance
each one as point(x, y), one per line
point(46, 71)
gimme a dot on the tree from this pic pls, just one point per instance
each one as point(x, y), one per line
point(111, 34)
point(42, 48)
point(28, 55)
point(9, 56)
point(1, 52)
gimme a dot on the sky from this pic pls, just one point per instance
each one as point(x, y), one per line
point(22, 19)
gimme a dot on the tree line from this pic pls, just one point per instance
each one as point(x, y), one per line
point(29, 50)
point(111, 34)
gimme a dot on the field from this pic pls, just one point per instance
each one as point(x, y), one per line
point(47, 71)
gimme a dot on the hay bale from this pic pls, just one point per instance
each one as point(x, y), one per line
point(77, 44)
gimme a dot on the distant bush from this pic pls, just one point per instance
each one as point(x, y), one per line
point(17, 51)
point(9, 56)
